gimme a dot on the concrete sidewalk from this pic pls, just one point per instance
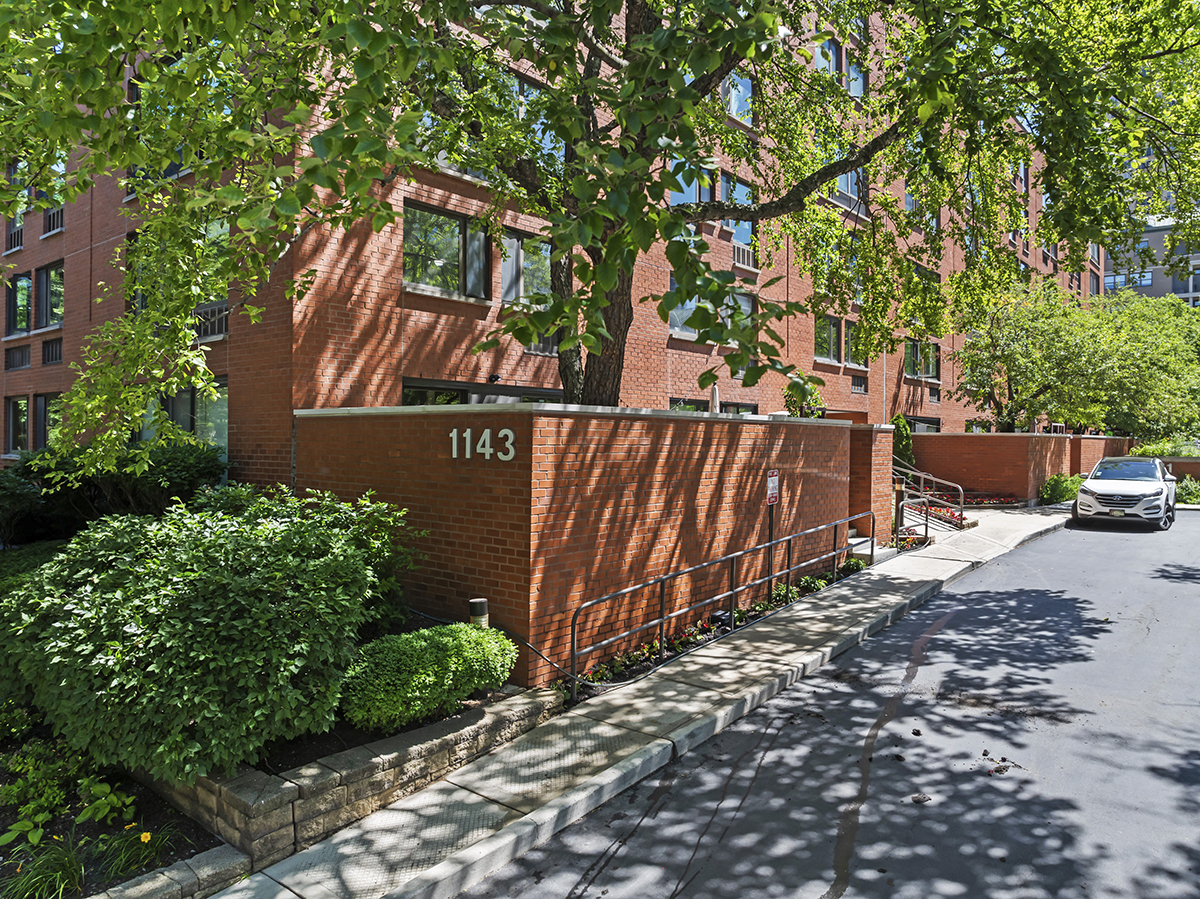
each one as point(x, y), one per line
point(451, 835)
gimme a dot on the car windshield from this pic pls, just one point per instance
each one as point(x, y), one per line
point(1126, 470)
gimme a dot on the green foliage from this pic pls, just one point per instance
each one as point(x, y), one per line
point(782, 594)
point(902, 447)
point(128, 851)
point(19, 500)
point(103, 802)
point(44, 777)
point(1059, 488)
point(52, 871)
point(851, 566)
point(146, 479)
point(1187, 491)
point(800, 398)
point(19, 563)
point(810, 583)
point(1174, 445)
point(16, 720)
point(1124, 361)
point(402, 678)
point(181, 645)
point(361, 94)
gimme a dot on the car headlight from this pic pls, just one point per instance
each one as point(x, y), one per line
point(1158, 492)
point(1086, 492)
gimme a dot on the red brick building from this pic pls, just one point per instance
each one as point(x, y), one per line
point(392, 318)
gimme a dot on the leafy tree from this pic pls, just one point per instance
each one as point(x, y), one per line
point(1124, 361)
point(294, 117)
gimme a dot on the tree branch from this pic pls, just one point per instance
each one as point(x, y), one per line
point(797, 197)
point(550, 12)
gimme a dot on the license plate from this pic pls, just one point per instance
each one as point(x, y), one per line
point(1117, 513)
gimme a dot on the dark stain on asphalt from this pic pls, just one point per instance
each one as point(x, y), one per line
point(847, 836)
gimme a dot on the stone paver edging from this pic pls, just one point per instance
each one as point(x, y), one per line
point(268, 817)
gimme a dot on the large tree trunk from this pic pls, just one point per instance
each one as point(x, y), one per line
point(570, 362)
point(602, 373)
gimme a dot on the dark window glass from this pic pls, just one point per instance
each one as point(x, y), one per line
point(682, 405)
point(20, 303)
point(16, 420)
point(445, 252)
point(827, 343)
point(49, 296)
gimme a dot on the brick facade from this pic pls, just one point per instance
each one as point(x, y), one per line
point(591, 502)
point(1010, 464)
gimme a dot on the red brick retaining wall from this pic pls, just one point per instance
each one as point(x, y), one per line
point(1010, 464)
point(592, 501)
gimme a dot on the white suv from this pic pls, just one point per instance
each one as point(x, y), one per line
point(1128, 486)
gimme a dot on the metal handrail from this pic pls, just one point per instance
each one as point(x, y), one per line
point(731, 594)
point(900, 515)
point(907, 472)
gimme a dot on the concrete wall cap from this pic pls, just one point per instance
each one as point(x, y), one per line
point(561, 409)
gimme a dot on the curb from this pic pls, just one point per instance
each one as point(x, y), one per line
point(468, 867)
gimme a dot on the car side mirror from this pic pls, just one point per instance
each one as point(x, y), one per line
point(1171, 478)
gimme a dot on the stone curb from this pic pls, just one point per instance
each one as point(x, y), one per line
point(471, 865)
point(194, 878)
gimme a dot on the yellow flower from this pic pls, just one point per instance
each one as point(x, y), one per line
point(130, 826)
point(145, 837)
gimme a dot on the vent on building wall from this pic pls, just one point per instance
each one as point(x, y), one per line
point(858, 384)
point(52, 352)
point(17, 357)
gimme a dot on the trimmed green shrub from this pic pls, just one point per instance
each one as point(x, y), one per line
point(181, 645)
point(20, 500)
point(402, 678)
point(1188, 490)
point(377, 529)
point(1059, 488)
point(175, 473)
point(18, 563)
point(1175, 445)
point(902, 447)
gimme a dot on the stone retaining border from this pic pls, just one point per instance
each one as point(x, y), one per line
point(268, 817)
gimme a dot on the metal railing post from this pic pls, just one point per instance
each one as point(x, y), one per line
point(732, 593)
point(574, 660)
point(872, 536)
point(662, 617)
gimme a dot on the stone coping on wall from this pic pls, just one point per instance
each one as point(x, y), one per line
point(566, 409)
point(267, 817)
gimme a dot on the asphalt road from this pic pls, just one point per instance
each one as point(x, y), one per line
point(1034, 731)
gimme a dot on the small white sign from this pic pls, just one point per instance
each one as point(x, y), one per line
point(772, 487)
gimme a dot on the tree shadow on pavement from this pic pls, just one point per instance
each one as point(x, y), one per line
point(1183, 574)
point(896, 771)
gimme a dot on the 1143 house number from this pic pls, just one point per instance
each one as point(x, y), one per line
point(483, 447)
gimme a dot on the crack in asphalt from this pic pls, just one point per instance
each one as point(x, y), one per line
point(843, 851)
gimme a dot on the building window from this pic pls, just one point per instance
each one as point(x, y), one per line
point(1093, 284)
point(524, 273)
point(734, 190)
point(195, 411)
point(49, 296)
point(16, 357)
point(827, 340)
point(47, 419)
point(828, 59)
point(739, 408)
point(14, 229)
point(52, 351)
point(1129, 279)
point(433, 396)
point(858, 384)
point(851, 189)
point(851, 355)
point(856, 79)
point(16, 424)
point(702, 189)
point(20, 304)
point(1094, 252)
point(737, 96)
point(52, 217)
point(682, 405)
point(445, 252)
point(923, 425)
point(935, 394)
point(922, 359)
point(677, 318)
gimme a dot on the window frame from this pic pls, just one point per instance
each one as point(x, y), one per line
point(17, 172)
point(729, 190)
point(744, 116)
point(11, 323)
point(11, 404)
point(916, 365)
point(41, 300)
point(848, 359)
point(831, 327)
point(512, 265)
point(42, 403)
point(464, 231)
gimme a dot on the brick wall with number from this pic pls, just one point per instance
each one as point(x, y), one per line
point(552, 509)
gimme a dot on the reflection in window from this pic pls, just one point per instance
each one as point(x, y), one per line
point(681, 405)
point(16, 424)
point(827, 338)
point(19, 305)
point(445, 252)
point(737, 94)
point(677, 319)
point(734, 190)
point(525, 273)
point(703, 186)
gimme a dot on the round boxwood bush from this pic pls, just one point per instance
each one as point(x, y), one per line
point(1059, 488)
point(181, 645)
point(401, 678)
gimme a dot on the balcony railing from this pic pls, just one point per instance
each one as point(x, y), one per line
point(16, 357)
point(52, 351)
point(14, 235)
point(212, 320)
point(743, 256)
point(53, 220)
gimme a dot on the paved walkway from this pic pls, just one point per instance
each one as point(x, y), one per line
point(451, 835)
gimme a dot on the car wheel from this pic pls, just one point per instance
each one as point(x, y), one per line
point(1075, 516)
point(1168, 518)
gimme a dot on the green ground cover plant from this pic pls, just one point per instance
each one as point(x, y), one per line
point(1187, 490)
point(1059, 488)
point(402, 678)
point(181, 645)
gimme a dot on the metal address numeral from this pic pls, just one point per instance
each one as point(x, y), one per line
point(484, 446)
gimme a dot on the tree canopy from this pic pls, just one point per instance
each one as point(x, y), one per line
point(294, 116)
point(1123, 361)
